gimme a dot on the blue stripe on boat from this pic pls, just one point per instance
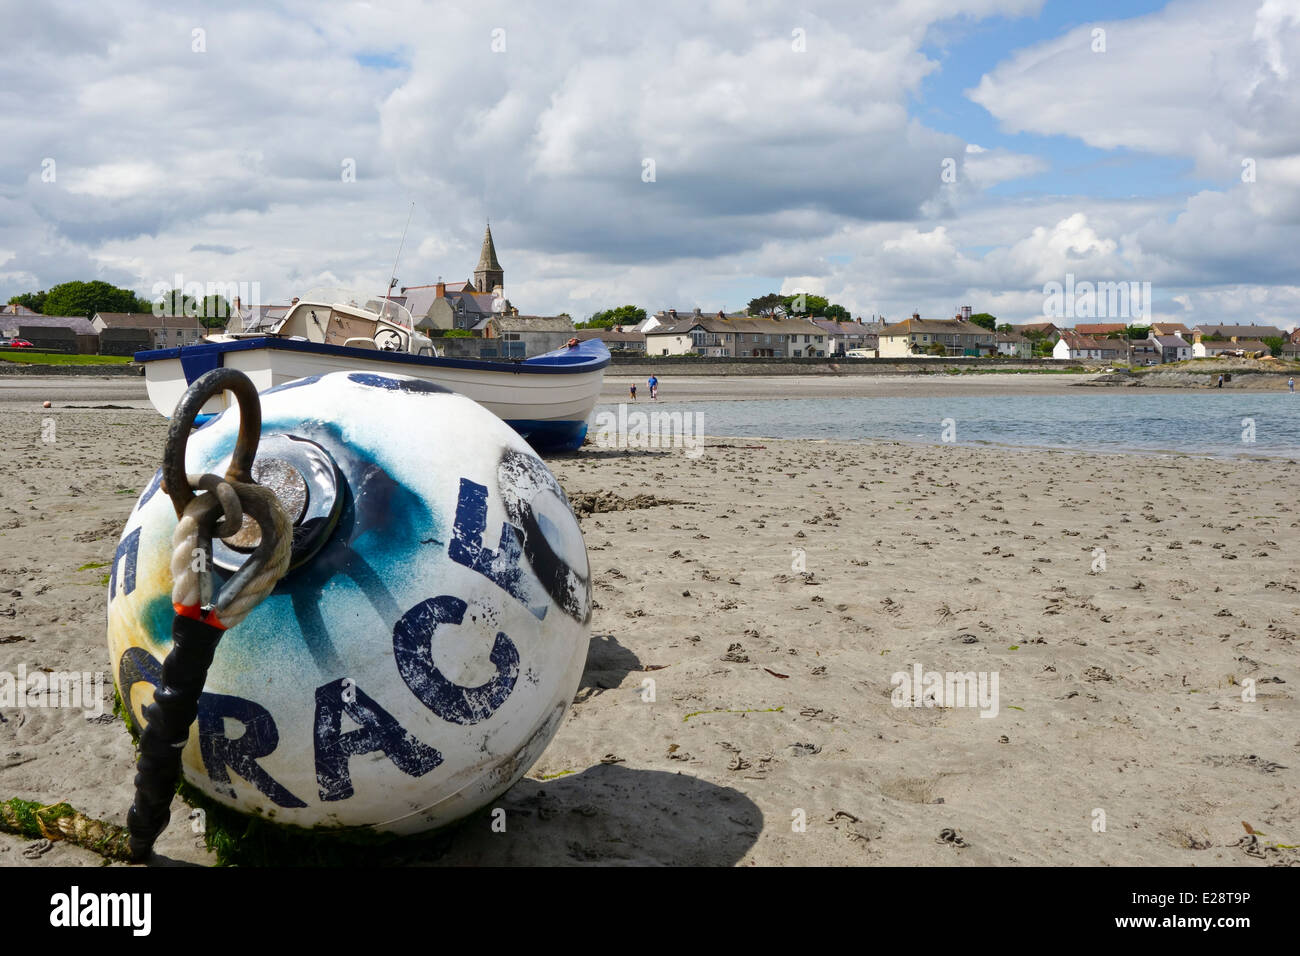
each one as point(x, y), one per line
point(551, 436)
point(589, 356)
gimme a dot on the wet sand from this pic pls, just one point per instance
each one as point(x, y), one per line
point(771, 606)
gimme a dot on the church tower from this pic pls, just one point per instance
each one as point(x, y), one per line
point(488, 274)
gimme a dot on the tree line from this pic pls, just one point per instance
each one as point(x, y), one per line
point(84, 299)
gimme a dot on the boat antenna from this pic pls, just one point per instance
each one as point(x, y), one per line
point(392, 280)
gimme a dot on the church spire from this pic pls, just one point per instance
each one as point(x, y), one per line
point(488, 274)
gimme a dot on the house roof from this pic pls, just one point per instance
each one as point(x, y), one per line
point(1249, 345)
point(1077, 342)
point(1036, 327)
point(1171, 341)
point(1168, 327)
point(1253, 331)
point(144, 320)
point(1099, 328)
point(480, 302)
point(1014, 337)
point(16, 309)
point(77, 323)
point(777, 325)
point(843, 328)
point(935, 326)
point(417, 299)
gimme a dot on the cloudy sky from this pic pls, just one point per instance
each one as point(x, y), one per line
point(901, 156)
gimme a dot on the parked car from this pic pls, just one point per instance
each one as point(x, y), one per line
point(15, 344)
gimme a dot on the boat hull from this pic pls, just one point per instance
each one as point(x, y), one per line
point(547, 399)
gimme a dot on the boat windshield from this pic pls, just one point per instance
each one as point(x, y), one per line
point(388, 310)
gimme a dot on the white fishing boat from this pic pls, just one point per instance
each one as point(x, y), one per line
point(546, 398)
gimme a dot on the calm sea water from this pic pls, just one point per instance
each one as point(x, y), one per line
point(1127, 420)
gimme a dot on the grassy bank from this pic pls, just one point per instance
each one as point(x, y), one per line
point(32, 357)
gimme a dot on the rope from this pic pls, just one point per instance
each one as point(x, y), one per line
point(265, 580)
point(63, 822)
point(187, 595)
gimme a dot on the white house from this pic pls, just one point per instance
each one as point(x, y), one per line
point(917, 336)
point(736, 336)
point(1173, 348)
point(1014, 344)
point(1073, 346)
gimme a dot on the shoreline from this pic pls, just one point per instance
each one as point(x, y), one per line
point(724, 441)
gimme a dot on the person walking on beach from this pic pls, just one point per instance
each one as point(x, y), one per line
point(654, 387)
point(632, 389)
point(1220, 383)
point(1290, 384)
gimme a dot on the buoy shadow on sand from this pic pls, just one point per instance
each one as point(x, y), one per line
point(608, 815)
point(608, 664)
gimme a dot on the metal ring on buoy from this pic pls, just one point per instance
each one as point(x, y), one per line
point(175, 481)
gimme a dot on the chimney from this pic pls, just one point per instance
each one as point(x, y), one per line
point(440, 290)
point(965, 313)
point(916, 316)
point(673, 313)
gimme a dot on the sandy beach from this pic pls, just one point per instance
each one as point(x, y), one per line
point(772, 594)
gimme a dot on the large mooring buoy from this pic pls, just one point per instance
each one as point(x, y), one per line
point(424, 643)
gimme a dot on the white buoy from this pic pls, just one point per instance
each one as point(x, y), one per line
point(425, 644)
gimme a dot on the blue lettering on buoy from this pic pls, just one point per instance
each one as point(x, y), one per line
point(128, 548)
point(379, 731)
point(503, 567)
point(413, 651)
point(150, 489)
point(259, 739)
